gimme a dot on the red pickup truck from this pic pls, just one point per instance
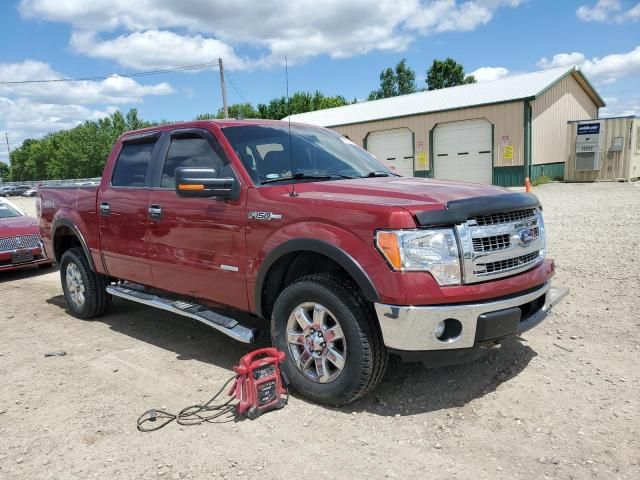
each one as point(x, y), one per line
point(341, 259)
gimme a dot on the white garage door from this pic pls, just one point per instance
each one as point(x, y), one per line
point(463, 151)
point(394, 148)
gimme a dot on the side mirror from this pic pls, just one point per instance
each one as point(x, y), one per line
point(203, 183)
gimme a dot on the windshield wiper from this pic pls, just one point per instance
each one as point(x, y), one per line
point(307, 176)
point(379, 173)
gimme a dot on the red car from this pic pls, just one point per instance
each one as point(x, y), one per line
point(20, 243)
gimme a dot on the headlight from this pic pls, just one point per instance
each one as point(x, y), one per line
point(430, 250)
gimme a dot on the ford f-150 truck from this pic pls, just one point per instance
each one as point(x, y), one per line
point(342, 260)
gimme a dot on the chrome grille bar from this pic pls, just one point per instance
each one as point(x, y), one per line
point(508, 217)
point(8, 244)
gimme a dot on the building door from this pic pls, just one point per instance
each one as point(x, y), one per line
point(463, 151)
point(393, 148)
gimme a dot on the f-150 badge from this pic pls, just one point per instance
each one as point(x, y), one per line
point(264, 216)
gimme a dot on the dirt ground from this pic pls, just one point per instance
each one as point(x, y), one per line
point(563, 403)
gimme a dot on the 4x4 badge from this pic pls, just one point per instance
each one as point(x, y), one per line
point(264, 216)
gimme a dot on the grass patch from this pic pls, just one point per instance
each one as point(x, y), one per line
point(541, 180)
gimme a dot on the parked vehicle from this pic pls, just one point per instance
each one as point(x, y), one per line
point(14, 190)
point(32, 192)
point(20, 243)
point(4, 191)
point(342, 260)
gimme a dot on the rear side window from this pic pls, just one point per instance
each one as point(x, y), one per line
point(132, 165)
point(189, 152)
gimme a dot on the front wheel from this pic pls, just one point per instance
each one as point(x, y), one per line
point(84, 290)
point(334, 348)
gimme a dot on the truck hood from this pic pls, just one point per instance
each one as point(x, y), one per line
point(412, 194)
point(10, 227)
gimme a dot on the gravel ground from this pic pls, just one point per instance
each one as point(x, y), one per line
point(563, 403)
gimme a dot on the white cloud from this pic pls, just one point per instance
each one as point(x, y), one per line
point(486, 74)
point(208, 29)
point(114, 89)
point(608, 10)
point(561, 60)
point(448, 15)
point(154, 49)
point(618, 108)
point(23, 118)
point(599, 12)
point(605, 69)
point(33, 109)
point(633, 13)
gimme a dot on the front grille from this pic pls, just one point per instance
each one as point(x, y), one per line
point(505, 265)
point(16, 243)
point(490, 244)
point(507, 217)
point(500, 244)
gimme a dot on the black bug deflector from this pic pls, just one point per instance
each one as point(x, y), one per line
point(459, 211)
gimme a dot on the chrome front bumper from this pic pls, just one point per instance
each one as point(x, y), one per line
point(410, 328)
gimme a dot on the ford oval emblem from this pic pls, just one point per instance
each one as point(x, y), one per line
point(526, 236)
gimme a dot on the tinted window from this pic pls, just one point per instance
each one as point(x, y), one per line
point(189, 152)
point(273, 153)
point(132, 165)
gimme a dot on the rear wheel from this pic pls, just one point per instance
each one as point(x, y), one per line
point(84, 290)
point(334, 348)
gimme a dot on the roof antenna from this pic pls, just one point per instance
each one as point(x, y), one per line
point(293, 183)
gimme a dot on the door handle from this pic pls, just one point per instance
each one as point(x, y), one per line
point(155, 212)
point(105, 208)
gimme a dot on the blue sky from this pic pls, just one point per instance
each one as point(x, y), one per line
point(333, 46)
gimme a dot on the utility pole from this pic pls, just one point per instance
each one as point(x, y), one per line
point(224, 89)
point(6, 137)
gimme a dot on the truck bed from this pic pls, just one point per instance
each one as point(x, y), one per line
point(76, 203)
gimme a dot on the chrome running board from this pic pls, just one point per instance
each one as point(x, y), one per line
point(198, 312)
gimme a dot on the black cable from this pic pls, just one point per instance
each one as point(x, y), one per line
point(191, 415)
point(104, 77)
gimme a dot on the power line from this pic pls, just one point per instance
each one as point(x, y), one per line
point(235, 87)
point(104, 77)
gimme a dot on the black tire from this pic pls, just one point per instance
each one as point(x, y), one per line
point(366, 356)
point(96, 299)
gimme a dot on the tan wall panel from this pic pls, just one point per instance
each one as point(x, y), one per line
point(613, 165)
point(634, 161)
point(507, 119)
point(550, 112)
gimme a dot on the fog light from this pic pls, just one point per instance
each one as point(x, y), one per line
point(448, 330)
point(439, 330)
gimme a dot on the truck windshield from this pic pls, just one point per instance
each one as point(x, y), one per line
point(271, 155)
point(8, 212)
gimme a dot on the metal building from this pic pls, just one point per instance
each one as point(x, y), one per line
point(492, 132)
point(603, 149)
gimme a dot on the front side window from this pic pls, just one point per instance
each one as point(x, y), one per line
point(271, 154)
point(189, 152)
point(132, 165)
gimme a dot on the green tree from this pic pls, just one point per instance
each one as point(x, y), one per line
point(4, 171)
point(394, 82)
point(79, 152)
point(279, 107)
point(447, 73)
